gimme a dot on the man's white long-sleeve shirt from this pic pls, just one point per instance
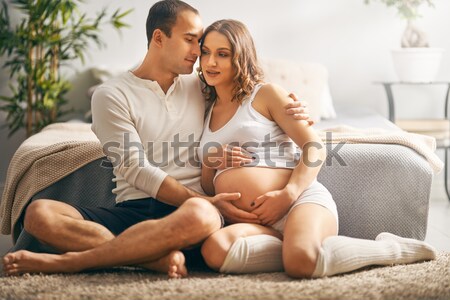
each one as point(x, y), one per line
point(148, 134)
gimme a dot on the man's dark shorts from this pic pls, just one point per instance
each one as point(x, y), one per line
point(128, 213)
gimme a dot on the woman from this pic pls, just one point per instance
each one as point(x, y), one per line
point(279, 183)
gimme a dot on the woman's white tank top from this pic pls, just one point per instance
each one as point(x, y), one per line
point(249, 129)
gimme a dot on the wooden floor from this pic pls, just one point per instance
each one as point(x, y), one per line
point(438, 233)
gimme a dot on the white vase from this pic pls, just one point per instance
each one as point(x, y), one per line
point(417, 64)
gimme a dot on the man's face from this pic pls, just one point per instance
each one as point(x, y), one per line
point(182, 49)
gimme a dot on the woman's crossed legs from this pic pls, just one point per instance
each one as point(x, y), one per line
point(310, 247)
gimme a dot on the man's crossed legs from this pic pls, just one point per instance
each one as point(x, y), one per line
point(152, 244)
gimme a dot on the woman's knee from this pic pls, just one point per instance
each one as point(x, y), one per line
point(215, 249)
point(300, 260)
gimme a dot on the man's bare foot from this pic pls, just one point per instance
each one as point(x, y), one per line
point(173, 264)
point(22, 261)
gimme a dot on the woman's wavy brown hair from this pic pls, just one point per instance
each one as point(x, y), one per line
point(244, 59)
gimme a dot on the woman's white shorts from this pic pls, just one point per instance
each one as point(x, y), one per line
point(316, 193)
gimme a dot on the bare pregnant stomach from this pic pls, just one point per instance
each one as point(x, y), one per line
point(251, 182)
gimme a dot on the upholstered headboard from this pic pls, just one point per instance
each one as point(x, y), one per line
point(308, 80)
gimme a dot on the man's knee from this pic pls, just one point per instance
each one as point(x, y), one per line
point(37, 216)
point(42, 216)
point(203, 216)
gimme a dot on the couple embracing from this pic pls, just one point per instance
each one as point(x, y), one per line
point(245, 209)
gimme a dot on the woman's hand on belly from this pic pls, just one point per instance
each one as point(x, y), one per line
point(268, 185)
point(227, 157)
point(272, 206)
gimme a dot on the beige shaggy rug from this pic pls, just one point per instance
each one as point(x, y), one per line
point(426, 280)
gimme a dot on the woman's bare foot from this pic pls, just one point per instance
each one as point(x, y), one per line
point(22, 261)
point(173, 264)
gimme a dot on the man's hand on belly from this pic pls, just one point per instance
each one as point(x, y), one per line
point(272, 206)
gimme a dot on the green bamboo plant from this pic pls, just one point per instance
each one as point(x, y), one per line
point(51, 34)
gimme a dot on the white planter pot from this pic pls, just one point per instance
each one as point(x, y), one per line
point(417, 64)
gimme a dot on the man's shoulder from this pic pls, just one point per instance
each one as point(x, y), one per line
point(190, 80)
point(109, 94)
point(117, 82)
point(113, 87)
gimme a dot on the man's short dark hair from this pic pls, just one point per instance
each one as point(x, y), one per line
point(163, 16)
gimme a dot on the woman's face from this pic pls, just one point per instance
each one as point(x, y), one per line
point(215, 60)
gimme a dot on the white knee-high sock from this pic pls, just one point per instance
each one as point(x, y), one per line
point(254, 254)
point(340, 254)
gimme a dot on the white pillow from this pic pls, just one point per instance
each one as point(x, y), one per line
point(327, 110)
point(308, 80)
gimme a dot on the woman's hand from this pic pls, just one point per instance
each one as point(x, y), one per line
point(226, 157)
point(273, 205)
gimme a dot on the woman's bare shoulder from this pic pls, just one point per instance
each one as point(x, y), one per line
point(271, 93)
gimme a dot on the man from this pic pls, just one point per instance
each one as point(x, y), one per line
point(136, 117)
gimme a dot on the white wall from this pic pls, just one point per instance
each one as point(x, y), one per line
point(350, 38)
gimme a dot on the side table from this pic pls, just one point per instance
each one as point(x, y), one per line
point(443, 141)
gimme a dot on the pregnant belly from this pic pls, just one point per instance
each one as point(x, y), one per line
point(251, 182)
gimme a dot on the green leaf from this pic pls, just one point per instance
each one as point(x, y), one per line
point(125, 13)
